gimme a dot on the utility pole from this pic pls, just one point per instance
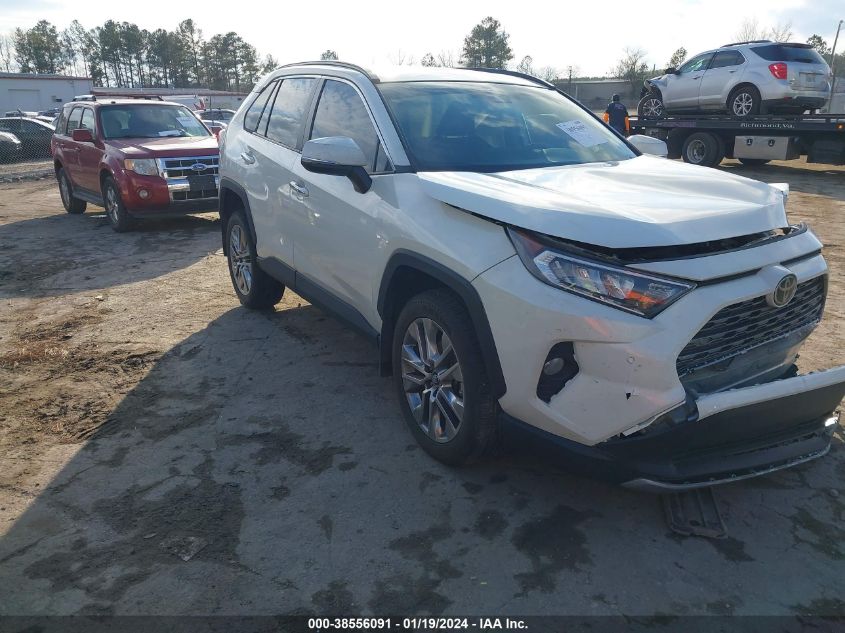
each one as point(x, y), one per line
point(833, 65)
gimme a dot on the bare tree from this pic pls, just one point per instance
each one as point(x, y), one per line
point(632, 67)
point(781, 32)
point(526, 65)
point(750, 31)
point(7, 52)
point(401, 58)
point(549, 73)
point(428, 60)
point(446, 59)
point(328, 54)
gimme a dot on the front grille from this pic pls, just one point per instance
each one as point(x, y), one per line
point(183, 167)
point(179, 196)
point(741, 327)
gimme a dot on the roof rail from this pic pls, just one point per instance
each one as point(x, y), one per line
point(333, 62)
point(513, 73)
point(748, 42)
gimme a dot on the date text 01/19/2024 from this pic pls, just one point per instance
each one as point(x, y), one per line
point(417, 624)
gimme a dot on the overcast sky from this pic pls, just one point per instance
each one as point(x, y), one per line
point(589, 35)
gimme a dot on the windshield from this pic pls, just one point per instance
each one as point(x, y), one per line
point(149, 121)
point(488, 127)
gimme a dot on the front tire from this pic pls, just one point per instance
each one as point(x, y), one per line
point(118, 216)
point(255, 288)
point(441, 379)
point(651, 106)
point(745, 101)
point(72, 205)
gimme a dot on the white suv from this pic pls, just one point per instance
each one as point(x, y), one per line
point(520, 265)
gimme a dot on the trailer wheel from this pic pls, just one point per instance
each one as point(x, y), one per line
point(753, 162)
point(703, 148)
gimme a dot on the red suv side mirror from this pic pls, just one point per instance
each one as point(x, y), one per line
point(81, 135)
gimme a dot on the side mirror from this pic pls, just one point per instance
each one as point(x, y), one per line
point(649, 145)
point(671, 71)
point(337, 156)
point(81, 135)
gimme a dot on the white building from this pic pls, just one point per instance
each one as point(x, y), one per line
point(31, 93)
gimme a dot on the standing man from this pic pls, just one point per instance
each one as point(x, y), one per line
point(616, 116)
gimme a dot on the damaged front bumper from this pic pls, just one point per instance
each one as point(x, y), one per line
point(721, 437)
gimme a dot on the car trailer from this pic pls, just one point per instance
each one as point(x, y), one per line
point(754, 140)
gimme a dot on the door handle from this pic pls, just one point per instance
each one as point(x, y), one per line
point(299, 189)
point(699, 77)
point(248, 158)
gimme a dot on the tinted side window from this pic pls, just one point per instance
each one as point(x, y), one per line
point(727, 58)
point(61, 122)
point(253, 115)
point(342, 113)
point(73, 121)
point(8, 125)
point(87, 120)
point(288, 112)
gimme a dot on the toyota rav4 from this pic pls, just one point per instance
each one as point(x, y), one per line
point(518, 263)
point(135, 158)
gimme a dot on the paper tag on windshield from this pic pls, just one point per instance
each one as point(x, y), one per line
point(581, 133)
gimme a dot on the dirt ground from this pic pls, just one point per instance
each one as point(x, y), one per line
point(163, 450)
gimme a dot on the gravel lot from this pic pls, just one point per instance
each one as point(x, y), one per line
point(163, 450)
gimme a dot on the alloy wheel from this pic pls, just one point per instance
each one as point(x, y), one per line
point(653, 107)
point(742, 104)
point(240, 260)
point(432, 380)
point(112, 204)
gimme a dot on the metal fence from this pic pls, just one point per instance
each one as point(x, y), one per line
point(24, 139)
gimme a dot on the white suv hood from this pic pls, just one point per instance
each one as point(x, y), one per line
point(644, 201)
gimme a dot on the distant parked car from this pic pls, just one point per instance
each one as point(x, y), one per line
point(10, 147)
point(218, 115)
point(742, 79)
point(33, 134)
point(136, 158)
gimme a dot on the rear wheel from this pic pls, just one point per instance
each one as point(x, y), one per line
point(703, 148)
point(255, 288)
point(744, 101)
point(119, 217)
point(441, 379)
point(753, 162)
point(71, 204)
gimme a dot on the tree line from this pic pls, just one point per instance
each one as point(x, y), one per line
point(120, 54)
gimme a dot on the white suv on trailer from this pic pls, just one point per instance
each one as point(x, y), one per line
point(520, 265)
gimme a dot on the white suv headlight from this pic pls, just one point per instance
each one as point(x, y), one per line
point(617, 286)
point(142, 166)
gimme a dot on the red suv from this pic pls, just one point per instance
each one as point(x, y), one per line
point(135, 158)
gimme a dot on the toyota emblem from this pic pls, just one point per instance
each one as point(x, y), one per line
point(198, 167)
point(783, 292)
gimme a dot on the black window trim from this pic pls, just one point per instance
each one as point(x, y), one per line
point(305, 117)
point(313, 114)
point(94, 116)
point(732, 51)
point(69, 116)
point(272, 86)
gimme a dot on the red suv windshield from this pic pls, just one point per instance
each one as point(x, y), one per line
point(149, 121)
